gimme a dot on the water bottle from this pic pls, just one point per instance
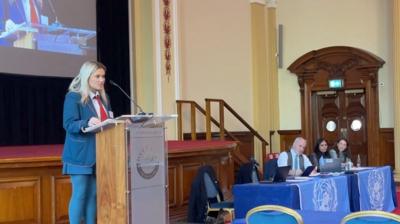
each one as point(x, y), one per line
point(358, 160)
point(348, 164)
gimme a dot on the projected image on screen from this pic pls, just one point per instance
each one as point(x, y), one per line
point(34, 24)
point(62, 27)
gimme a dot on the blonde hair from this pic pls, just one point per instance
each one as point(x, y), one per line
point(80, 84)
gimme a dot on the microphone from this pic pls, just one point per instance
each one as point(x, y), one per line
point(53, 11)
point(134, 103)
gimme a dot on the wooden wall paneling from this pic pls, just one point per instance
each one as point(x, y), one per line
point(372, 116)
point(307, 125)
point(287, 137)
point(246, 138)
point(386, 146)
point(357, 68)
point(33, 190)
point(188, 173)
point(172, 185)
point(225, 176)
point(188, 163)
point(20, 200)
point(61, 194)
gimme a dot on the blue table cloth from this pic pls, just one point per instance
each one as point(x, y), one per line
point(324, 194)
point(375, 189)
point(344, 193)
point(248, 196)
point(313, 217)
point(361, 177)
point(317, 194)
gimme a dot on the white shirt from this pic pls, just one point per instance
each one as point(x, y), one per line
point(27, 10)
point(96, 103)
point(283, 159)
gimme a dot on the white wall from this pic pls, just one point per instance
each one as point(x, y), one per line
point(313, 24)
point(215, 54)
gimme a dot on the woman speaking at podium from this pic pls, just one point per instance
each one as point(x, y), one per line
point(86, 104)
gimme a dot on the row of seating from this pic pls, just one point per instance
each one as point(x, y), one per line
point(280, 214)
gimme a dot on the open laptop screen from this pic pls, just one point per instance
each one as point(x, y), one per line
point(281, 173)
point(331, 165)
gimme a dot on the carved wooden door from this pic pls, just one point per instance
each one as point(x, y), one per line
point(342, 114)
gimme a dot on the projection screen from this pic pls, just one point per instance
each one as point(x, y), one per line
point(47, 37)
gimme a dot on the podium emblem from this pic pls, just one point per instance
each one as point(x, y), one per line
point(147, 162)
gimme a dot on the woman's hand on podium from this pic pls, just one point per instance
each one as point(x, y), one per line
point(128, 121)
point(93, 121)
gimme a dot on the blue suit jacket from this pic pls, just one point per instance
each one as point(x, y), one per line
point(79, 147)
point(3, 18)
point(10, 11)
point(16, 12)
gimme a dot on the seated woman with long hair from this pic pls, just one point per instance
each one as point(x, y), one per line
point(341, 150)
point(320, 152)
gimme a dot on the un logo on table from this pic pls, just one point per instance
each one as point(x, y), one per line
point(376, 181)
point(325, 195)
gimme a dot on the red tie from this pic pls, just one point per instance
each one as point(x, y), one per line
point(34, 16)
point(103, 114)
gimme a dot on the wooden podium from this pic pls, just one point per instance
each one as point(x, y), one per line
point(131, 168)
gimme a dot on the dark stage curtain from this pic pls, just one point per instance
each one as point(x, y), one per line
point(31, 106)
point(31, 109)
point(113, 49)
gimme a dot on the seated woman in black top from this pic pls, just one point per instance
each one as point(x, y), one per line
point(320, 152)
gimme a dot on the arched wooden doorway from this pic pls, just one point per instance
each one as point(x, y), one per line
point(333, 112)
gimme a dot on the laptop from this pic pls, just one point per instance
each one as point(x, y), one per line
point(308, 171)
point(281, 173)
point(331, 166)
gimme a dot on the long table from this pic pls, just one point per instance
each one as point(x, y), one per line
point(366, 189)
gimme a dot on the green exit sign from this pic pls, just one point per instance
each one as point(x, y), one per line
point(336, 83)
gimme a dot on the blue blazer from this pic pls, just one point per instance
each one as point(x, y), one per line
point(13, 11)
point(16, 12)
point(79, 147)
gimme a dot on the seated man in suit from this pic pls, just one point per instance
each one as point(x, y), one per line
point(295, 157)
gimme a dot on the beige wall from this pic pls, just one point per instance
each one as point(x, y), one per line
point(215, 50)
point(311, 25)
point(144, 55)
point(215, 54)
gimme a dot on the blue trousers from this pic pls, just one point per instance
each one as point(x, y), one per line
point(82, 205)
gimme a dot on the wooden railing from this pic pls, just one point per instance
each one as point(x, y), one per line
point(238, 157)
point(193, 107)
point(222, 106)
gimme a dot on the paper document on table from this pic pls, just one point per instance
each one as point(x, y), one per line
point(354, 168)
point(296, 180)
point(101, 126)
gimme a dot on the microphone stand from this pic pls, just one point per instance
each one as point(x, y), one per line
point(134, 103)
